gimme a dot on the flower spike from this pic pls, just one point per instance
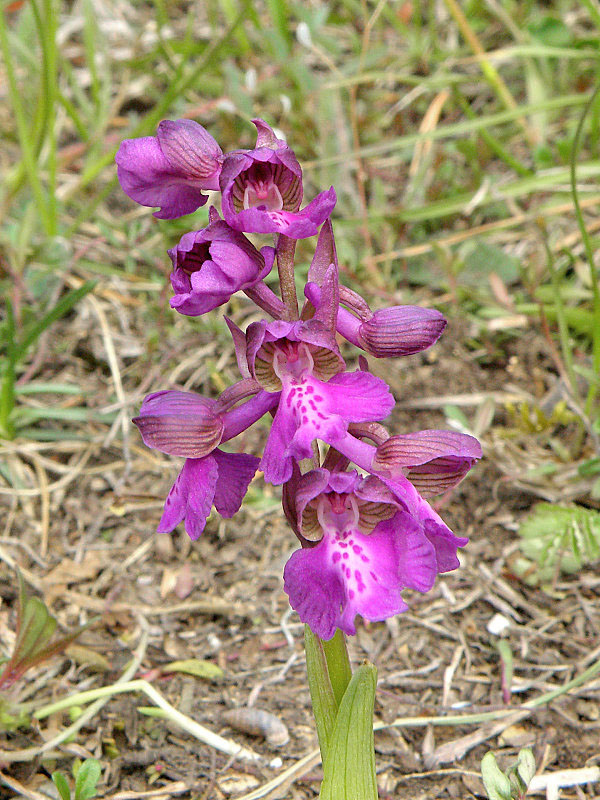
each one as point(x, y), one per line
point(364, 538)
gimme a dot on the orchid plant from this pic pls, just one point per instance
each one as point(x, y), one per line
point(354, 495)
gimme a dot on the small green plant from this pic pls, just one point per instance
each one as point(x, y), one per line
point(509, 785)
point(557, 538)
point(35, 628)
point(86, 774)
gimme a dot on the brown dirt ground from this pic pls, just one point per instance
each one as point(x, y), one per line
point(81, 530)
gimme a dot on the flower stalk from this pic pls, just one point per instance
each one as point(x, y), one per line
point(286, 248)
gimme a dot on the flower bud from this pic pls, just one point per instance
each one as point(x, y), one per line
point(400, 331)
point(180, 423)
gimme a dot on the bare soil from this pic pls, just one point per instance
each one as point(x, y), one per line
point(80, 524)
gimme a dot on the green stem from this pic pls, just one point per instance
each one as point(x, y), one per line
point(563, 328)
point(325, 706)
point(588, 250)
point(338, 664)
point(47, 34)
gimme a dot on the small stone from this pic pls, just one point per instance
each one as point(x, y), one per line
point(498, 625)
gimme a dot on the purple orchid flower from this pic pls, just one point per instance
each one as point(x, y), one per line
point(171, 169)
point(210, 265)
point(189, 425)
point(318, 401)
point(262, 190)
point(373, 541)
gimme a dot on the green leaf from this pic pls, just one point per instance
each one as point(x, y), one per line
point(457, 418)
point(195, 667)
point(39, 387)
point(324, 704)
point(87, 778)
point(38, 626)
point(485, 258)
point(497, 785)
point(35, 627)
point(551, 31)
point(526, 765)
point(589, 467)
point(62, 785)
point(349, 768)
point(560, 536)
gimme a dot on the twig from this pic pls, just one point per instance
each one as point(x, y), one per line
point(201, 733)
point(21, 789)
point(564, 777)
point(177, 787)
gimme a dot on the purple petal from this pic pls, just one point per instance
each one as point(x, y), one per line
point(180, 424)
point(239, 343)
point(191, 150)
point(205, 291)
point(330, 429)
point(276, 463)
point(442, 538)
point(359, 396)
point(313, 409)
point(314, 593)
point(401, 331)
point(417, 566)
point(310, 485)
point(445, 544)
point(146, 175)
point(236, 470)
point(324, 274)
point(191, 497)
point(212, 264)
point(325, 254)
point(265, 136)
